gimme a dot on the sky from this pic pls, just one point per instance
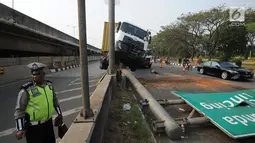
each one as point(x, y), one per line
point(148, 14)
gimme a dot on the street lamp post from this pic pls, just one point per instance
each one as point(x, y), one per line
point(86, 112)
point(111, 8)
point(12, 4)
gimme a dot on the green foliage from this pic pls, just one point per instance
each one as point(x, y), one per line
point(205, 33)
point(232, 41)
point(240, 58)
point(237, 59)
point(250, 27)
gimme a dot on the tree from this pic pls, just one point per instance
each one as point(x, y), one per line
point(232, 41)
point(250, 36)
point(175, 46)
point(190, 31)
point(205, 31)
point(212, 19)
point(165, 43)
point(250, 28)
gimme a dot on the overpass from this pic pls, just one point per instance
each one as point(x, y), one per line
point(23, 36)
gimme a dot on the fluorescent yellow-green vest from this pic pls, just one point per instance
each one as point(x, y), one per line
point(40, 105)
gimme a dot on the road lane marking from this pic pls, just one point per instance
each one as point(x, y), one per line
point(66, 113)
point(76, 83)
point(78, 79)
point(73, 89)
point(7, 132)
point(69, 90)
point(4, 85)
point(69, 112)
point(70, 98)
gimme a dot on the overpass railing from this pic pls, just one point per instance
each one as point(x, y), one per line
point(19, 20)
point(7, 13)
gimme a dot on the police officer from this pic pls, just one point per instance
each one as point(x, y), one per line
point(35, 107)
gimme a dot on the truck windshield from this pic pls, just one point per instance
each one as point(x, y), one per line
point(133, 30)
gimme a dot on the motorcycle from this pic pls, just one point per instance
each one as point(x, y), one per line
point(189, 66)
point(167, 62)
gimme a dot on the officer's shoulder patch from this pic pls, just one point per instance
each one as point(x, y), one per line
point(26, 85)
point(48, 82)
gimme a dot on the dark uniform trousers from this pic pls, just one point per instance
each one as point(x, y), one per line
point(42, 133)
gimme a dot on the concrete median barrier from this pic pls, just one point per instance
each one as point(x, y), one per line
point(11, 71)
point(172, 129)
point(15, 73)
point(92, 129)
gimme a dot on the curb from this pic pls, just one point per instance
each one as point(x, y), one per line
point(63, 68)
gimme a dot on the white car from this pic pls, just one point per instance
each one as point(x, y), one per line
point(148, 61)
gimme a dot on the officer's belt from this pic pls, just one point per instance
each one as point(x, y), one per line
point(34, 123)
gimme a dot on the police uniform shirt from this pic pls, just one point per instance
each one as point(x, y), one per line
point(22, 101)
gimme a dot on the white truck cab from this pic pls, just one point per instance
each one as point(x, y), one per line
point(131, 42)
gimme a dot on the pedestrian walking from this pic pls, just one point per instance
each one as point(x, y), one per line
point(185, 68)
point(35, 107)
point(160, 62)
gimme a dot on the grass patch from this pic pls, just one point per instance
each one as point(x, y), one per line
point(126, 126)
point(137, 124)
point(249, 66)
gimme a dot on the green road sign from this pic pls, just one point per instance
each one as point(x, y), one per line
point(232, 112)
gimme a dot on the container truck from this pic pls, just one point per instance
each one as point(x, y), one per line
point(131, 43)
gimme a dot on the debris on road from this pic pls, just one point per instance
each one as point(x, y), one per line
point(181, 109)
point(144, 102)
point(126, 107)
point(155, 73)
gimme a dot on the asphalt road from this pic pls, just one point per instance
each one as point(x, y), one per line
point(171, 78)
point(68, 89)
point(174, 69)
